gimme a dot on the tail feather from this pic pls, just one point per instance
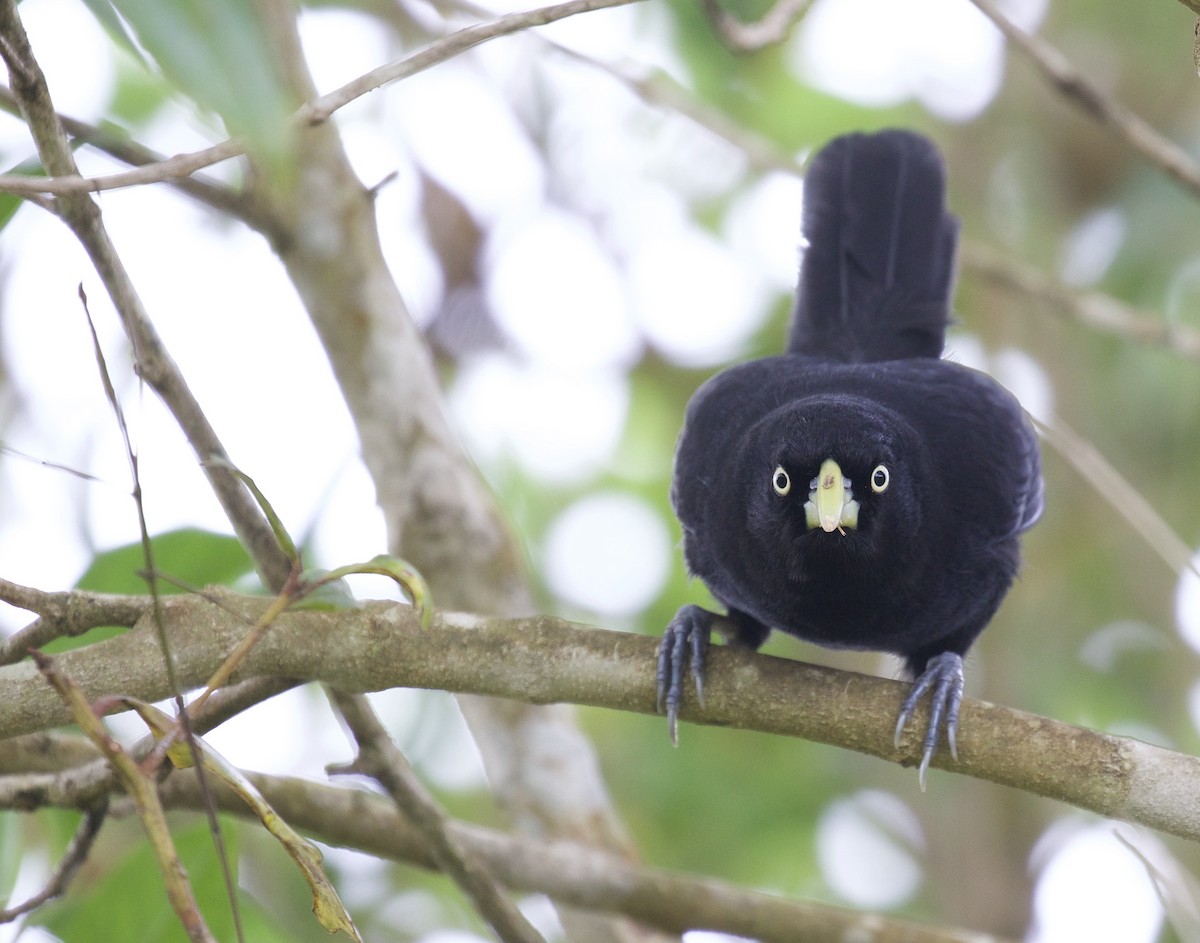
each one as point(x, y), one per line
point(876, 277)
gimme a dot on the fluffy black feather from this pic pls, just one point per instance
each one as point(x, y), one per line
point(857, 491)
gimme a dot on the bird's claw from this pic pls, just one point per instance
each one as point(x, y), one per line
point(685, 639)
point(944, 674)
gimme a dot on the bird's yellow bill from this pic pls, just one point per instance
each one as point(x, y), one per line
point(831, 505)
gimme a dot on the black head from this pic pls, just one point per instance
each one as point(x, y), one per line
point(834, 480)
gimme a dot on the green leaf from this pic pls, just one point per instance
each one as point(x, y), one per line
point(106, 15)
point(195, 557)
point(11, 202)
point(403, 573)
point(128, 901)
point(219, 53)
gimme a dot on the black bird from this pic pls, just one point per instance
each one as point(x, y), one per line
point(857, 491)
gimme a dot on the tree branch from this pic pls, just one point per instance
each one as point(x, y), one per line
point(380, 759)
point(771, 28)
point(542, 660)
point(439, 514)
point(1086, 95)
point(1090, 308)
point(315, 111)
point(74, 855)
point(63, 614)
point(321, 109)
point(569, 872)
point(154, 363)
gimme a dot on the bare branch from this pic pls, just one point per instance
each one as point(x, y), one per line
point(379, 758)
point(439, 514)
point(155, 364)
point(569, 872)
point(206, 190)
point(1093, 101)
point(1128, 501)
point(74, 856)
point(320, 109)
point(316, 111)
point(63, 614)
point(772, 28)
point(543, 660)
point(1091, 308)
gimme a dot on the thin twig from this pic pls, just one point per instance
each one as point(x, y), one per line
point(314, 112)
point(143, 790)
point(1091, 308)
point(75, 854)
point(156, 608)
point(769, 30)
point(153, 362)
point(1128, 501)
point(1096, 103)
point(456, 43)
point(204, 189)
point(379, 758)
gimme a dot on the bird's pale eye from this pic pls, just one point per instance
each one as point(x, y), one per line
point(781, 481)
point(880, 479)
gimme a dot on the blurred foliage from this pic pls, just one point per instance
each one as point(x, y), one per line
point(1087, 636)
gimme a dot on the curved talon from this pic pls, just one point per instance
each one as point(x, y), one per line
point(685, 638)
point(944, 674)
point(699, 642)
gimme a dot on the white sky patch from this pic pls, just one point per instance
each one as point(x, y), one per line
point(326, 34)
point(560, 425)
point(557, 294)
point(1011, 367)
point(1094, 888)
point(1092, 246)
point(1187, 604)
point(695, 300)
point(868, 846)
point(967, 349)
point(763, 228)
point(608, 553)
point(943, 53)
point(1104, 648)
point(462, 130)
point(1026, 380)
point(77, 60)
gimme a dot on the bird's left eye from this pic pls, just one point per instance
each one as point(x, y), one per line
point(781, 481)
point(880, 479)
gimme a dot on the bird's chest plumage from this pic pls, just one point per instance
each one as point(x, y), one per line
point(830, 589)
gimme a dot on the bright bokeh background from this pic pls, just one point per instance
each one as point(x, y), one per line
point(582, 256)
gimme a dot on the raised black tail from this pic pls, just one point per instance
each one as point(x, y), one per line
point(876, 277)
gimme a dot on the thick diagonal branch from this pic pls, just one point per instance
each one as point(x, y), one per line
point(542, 660)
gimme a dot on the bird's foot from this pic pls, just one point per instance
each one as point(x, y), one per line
point(685, 640)
point(944, 674)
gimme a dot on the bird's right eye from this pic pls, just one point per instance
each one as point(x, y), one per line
point(781, 481)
